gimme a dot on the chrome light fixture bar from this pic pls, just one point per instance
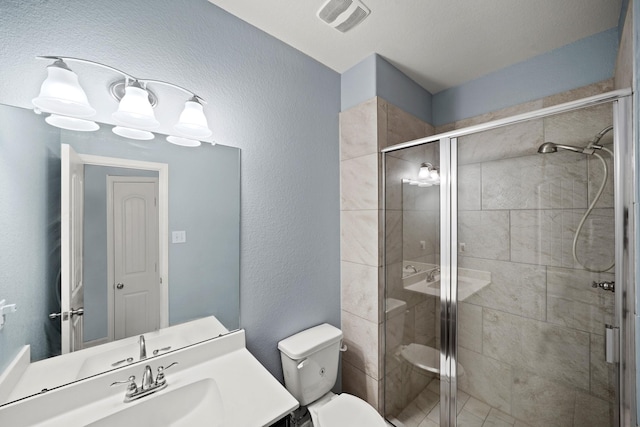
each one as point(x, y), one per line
point(62, 96)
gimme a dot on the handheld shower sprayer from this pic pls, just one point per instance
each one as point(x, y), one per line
point(552, 147)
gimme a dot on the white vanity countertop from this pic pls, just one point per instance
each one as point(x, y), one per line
point(250, 395)
point(54, 371)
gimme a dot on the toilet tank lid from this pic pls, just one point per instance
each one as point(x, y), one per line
point(309, 341)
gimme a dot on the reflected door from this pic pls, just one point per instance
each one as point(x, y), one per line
point(72, 285)
point(135, 255)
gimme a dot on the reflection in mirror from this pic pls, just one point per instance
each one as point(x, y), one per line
point(199, 235)
point(420, 209)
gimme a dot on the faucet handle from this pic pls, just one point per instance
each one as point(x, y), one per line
point(132, 388)
point(160, 376)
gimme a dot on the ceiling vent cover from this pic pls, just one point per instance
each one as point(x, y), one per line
point(343, 15)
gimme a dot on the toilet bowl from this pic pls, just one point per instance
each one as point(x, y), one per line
point(310, 366)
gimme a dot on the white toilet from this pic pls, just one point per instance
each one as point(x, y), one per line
point(310, 366)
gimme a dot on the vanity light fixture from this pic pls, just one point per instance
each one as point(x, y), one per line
point(64, 99)
point(71, 123)
point(61, 92)
point(135, 109)
point(131, 133)
point(192, 122)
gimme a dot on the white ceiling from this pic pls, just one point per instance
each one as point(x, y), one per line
point(438, 43)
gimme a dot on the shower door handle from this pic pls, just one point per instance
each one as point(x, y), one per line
point(611, 343)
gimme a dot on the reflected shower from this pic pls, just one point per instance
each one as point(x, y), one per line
point(552, 147)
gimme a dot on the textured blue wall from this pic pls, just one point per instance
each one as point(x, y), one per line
point(586, 61)
point(375, 76)
point(276, 104)
point(27, 254)
point(358, 83)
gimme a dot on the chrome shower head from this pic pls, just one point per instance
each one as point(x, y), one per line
point(547, 147)
point(552, 147)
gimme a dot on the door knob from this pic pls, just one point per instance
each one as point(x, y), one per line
point(120, 285)
point(76, 311)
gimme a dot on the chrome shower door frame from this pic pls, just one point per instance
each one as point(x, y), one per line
point(626, 214)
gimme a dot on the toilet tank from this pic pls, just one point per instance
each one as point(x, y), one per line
point(310, 362)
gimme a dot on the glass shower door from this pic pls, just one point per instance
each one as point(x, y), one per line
point(530, 315)
point(412, 303)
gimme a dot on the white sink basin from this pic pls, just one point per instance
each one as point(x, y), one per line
point(469, 283)
point(195, 404)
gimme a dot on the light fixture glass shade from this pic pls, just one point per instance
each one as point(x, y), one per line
point(185, 142)
point(192, 122)
point(61, 93)
point(71, 123)
point(135, 110)
point(142, 135)
point(424, 171)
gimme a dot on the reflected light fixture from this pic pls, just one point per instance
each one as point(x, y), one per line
point(185, 142)
point(71, 123)
point(131, 133)
point(428, 176)
point(62, 96)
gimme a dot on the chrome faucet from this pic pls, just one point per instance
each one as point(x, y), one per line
point(147, 378)
point(410, 267)
point(143, 348)
point(432, 274)
point(148, 385)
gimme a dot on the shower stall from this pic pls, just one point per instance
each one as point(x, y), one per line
point(509, 277)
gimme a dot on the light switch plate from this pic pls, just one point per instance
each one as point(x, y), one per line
point(179, 236)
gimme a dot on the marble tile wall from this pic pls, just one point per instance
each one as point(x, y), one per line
point(364, 130)
point(531, 343)
point(518, 211)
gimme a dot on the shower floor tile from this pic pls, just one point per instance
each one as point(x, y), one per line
point(471, 412)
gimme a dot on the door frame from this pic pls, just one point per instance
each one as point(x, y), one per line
point(163, 227)
point(627, 214)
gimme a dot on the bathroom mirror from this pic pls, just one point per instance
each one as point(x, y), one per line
point(201, 274)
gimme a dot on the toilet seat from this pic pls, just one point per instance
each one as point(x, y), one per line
point(348, 410)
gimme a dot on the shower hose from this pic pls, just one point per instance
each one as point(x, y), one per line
point(588, 212)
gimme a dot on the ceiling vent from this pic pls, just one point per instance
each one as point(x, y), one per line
point(343, 15)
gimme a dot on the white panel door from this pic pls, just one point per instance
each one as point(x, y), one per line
point(135, 256)
point(71, 215)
